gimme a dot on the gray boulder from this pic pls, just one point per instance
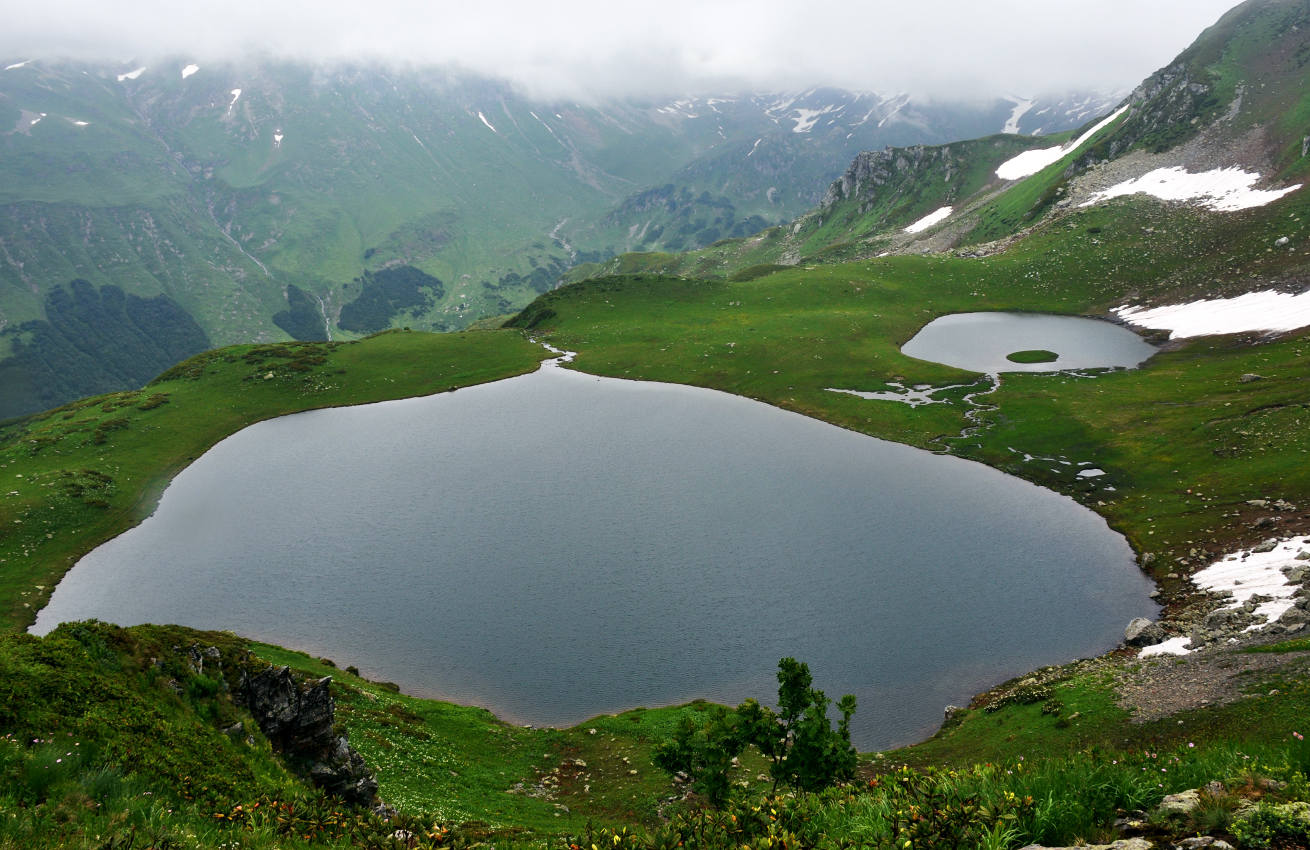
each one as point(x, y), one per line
point(1143, 632)
point(1179, 805)
point(1225, 619)
point(1294, 618)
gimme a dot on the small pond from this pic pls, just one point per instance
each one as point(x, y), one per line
point(559, 545)
point(983, 342)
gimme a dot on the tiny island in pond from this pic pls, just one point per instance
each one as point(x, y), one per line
point(1036, 355)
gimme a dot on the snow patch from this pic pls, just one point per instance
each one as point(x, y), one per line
point(754, 146)
point(236, 95)
point(77, 123)
point(548, 127)
point(132, 75)
point(1173, 646)
point(685, 108)
point(903, 101)
point(189, 70)
point(1243, 575)
point(929, 220)
point(488, 123)
point(1029, 163)
point(1221, 189)
point(1091, 473)
point(1021, 106)
point(1248, 574)
point(277, 139)
point(806, 118)
point(17, 65)
point(1256, 311)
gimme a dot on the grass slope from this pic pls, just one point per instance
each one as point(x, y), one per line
point(114, 738)
point(77, 475)
point(114, 735)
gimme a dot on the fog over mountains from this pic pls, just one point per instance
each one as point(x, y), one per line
point(273, 199)
point(577, 48)
point(214, 173)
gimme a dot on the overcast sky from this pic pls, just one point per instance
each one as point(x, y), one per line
point(934, 47)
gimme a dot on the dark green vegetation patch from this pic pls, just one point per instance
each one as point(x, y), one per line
point(303, 319)
point(92, 341)
point(1036, 355)
point(388, 294)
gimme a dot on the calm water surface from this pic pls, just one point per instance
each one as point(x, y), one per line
point(558, 545)
point(981, 342)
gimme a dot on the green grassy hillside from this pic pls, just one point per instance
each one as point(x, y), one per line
point(121, 738)
point(111, 739)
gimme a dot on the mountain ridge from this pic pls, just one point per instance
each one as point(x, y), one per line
point(230, 189)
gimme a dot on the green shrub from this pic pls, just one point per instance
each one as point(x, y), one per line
point(1286, 825)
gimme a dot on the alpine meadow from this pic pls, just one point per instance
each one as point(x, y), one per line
point(1097, 300)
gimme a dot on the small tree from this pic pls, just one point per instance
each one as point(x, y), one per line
point(704, 752)
point(806, 752)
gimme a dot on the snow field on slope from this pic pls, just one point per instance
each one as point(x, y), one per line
point(1221, 189)
point(1256, 311)
point(929, 220)
point(1029, 163)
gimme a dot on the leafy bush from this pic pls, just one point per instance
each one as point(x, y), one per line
point(806, 752)
point(1286, 825)
point(704, 751)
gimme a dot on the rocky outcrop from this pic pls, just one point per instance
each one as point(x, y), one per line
point(873, 170)
point(1143, 632)
point(299, 721)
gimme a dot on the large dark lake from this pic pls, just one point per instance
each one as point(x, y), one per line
point(558, 545)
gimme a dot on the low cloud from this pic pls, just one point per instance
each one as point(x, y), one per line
point(575, 47)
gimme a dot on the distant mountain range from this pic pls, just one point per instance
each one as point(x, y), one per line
point(1220, 129)
point(278, 200)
